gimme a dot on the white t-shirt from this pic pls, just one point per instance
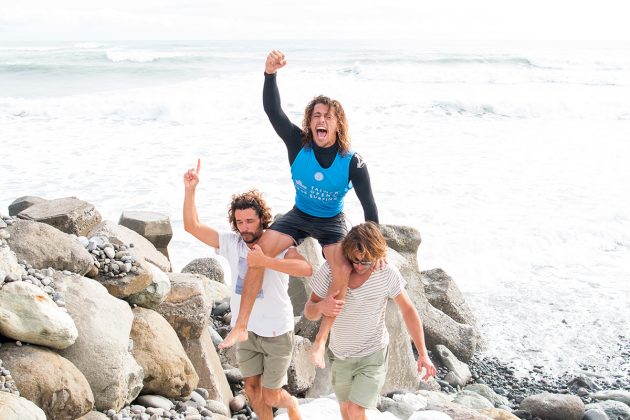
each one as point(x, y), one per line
point(272, 314)
point(359, 330)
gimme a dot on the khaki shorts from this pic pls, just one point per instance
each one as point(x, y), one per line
point(266, 356)
point(359, 379)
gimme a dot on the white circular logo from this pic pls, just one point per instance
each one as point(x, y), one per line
point(319, 176)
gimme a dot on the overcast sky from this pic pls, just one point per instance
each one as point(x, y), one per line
point(94, 20)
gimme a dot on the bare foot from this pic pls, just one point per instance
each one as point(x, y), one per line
point(235, 336)
point(294, 411)
point(317, 354)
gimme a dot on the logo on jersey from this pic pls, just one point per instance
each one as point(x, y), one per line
point(319, 176)
point(360, 161)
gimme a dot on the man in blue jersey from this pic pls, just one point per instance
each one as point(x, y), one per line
point(323, 169)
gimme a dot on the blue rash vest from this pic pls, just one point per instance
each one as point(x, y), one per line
point(320, 191)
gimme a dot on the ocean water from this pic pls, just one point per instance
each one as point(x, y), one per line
point(510, 159)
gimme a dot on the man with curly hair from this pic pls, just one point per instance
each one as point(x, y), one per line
point(265, 355)
point(324, 169)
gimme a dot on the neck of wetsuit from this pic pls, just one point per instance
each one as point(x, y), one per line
point(326, 155)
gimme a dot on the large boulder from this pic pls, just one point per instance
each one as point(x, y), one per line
point(209, 267)
point(204, 357)
point(48, 380)
point(554, 406)
point(613, 409)
point(142, 247)
point(439, 328)
point(443, 294)
point(167, 369)
point(402, 368)
point(69, 215)
point(28, 314)
point(101, 352)
point(301, 372)
point(23, 203)
point(43, 246)
point(299, 289)
point(187, 307)
point(8, 262)
point(155, 227)
point(13, 407)
point(130, 283)
point(156, 292)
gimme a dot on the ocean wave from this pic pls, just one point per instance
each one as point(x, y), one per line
point(472, 110)
point(140, 56)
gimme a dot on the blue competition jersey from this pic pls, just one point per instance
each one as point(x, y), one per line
point(319, 192)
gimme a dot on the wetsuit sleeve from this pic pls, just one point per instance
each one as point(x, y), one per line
point(360, 178)
point(290, 133)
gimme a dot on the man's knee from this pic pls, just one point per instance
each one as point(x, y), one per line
point(355, 411)
point(253, 389)
point(272, 243)
point(271, 397)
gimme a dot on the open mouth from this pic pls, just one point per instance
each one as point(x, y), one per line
point(321, 133)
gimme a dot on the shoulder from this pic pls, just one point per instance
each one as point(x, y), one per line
point(229, 241)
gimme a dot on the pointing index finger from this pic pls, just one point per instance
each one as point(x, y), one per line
point(198, 165)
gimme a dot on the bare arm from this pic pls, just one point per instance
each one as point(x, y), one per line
point(293, 263)
point(192, 224)
point(414, 327)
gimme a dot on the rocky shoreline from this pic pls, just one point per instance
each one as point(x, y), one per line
point(95, 325)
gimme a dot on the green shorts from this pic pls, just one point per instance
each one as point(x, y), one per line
point(359, 379)
point(266, 356)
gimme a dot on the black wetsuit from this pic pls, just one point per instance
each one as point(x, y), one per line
point(292, 135)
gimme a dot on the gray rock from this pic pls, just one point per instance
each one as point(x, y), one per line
point(28, 315)
point(234, 375)
point(155, 227)
point(613, 409)
point(69, 215)
point(397, 408)
point(218, 407)
point(142, 247)
point(301, 373)
point(237, 403)
point(23, 203)
point(554, 406)
point(617, 395)
point(209, 267)
point(439, 328)
point(460, 372)
point(101, 351)
point(595, 414)
point(472, 400)
point(155, 401)
point(155, 293)
point(48, 380)
point(487, 392)
point(43, 246)
point(15, 407)
point(430, 415)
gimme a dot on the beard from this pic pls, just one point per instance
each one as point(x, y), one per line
point(250, 237)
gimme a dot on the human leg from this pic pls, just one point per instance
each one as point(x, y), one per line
point(340, 268)
point(254, 392)
point(281, 398)
point(343, 407)
point(355, 412)
point(271, 243)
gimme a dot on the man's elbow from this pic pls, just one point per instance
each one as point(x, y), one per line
point(308, 270)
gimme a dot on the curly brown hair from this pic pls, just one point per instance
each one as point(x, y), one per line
point(251, 199)
point(342, 123)
point(367, 240)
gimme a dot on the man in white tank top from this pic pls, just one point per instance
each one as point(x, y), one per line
point(266, 354)
point(359, 338)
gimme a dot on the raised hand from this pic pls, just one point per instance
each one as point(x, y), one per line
point(191, 177)
point(275, 61)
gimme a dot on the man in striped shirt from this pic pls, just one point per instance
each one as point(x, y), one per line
point(359, 338)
